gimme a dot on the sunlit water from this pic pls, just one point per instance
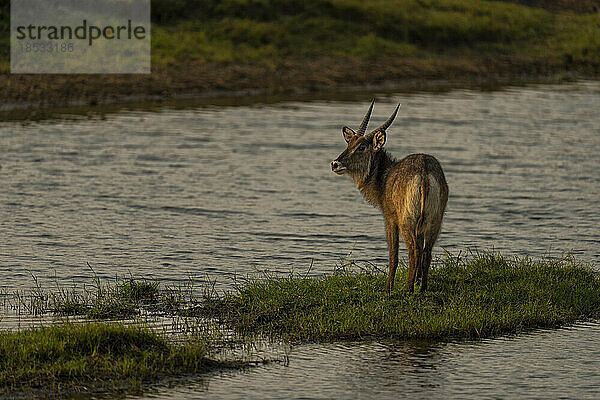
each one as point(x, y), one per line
point(204, 192)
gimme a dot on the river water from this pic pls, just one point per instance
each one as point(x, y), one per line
point(174, 193)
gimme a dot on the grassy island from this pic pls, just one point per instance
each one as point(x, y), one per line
point(93, 357)
point(481, 296)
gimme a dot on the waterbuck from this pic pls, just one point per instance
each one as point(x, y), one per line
point(412, 194)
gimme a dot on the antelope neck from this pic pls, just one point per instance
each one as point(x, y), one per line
point(372, 185)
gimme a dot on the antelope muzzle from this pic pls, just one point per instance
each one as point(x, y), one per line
point(337, 167)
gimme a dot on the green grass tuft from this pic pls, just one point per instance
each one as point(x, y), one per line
point(122, 299)
point(136, 290)
point(485, 295)
point(93, 357)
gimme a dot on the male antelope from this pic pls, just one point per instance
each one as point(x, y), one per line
point(412, 194)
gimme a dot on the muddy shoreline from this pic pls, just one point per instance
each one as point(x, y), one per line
point(211, 81)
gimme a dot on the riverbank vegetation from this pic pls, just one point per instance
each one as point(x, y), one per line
point(281, 45)
point(267, 31)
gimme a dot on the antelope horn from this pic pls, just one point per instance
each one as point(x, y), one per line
point(389, 121)
point(363, 126)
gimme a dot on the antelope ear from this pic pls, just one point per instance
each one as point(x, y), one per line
point(378, 139)
point(348, 133)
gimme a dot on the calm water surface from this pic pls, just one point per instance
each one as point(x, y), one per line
point(214, 192)
point(554, 364)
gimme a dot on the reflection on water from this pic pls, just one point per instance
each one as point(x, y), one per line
point(210, 192)
point(562, 363)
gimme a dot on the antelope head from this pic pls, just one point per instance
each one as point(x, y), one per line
point(356, 159)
